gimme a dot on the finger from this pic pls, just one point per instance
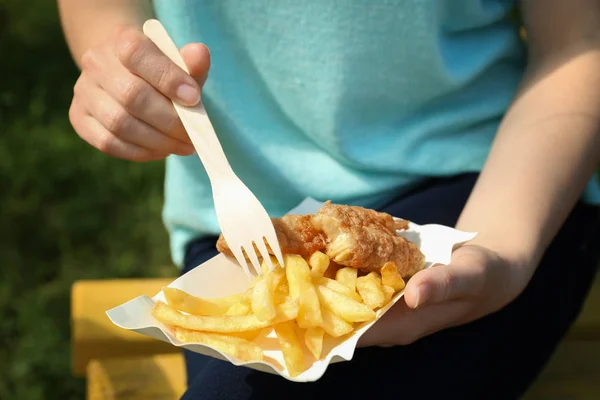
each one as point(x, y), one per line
point(97, 136)
point(136, 96)
point(197, 59)
point(458, 280)
point(140, 56)
point(402, 325)
point(122, 124)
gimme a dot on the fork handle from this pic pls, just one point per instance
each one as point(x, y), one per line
point(194, 119)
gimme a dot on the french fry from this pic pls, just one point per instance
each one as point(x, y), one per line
point(237, 347)
point(388, 293)
point(290, 347)
point(286, 310)
point(283, 288)
point(309, 311)
point(301, 288)
point(248, 335)
point(347, 277)
point(280, 297)
point(319, 262)
point(168, 315)
point(277, 275)
point(302, 302)
point(198, 306)
point(391, 277)
point(313, 338)
point(334, 325)
point(369, 288)
point(241, 308)
point(343, 306)
point(262, 302)
point(339, 287)
point(276, 279)
point(296, 271)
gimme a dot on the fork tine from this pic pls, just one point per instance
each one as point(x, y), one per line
point(273, 242)
point(253, 258)
point(262, 247)
point(239, 256)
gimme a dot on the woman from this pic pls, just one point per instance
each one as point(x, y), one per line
point(431, 110)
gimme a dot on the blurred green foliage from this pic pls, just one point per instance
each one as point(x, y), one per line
point(67, 212)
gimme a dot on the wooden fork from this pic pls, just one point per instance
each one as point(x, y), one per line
point(242, 218)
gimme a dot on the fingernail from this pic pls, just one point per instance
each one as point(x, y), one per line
point(423, 294)
point(188, 94)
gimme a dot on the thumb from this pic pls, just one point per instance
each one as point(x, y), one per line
point(462, 278)
point(197, 60)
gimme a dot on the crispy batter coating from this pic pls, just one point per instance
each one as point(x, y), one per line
point(366, 239)
point(351, 236)
point(296, 235)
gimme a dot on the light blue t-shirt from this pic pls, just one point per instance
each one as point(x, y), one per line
point(354, 101)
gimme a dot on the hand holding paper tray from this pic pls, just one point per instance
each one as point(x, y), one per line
point(220, 277)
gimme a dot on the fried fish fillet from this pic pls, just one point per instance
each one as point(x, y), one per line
point(366, 239)
point(296, 235)
point(351, 236)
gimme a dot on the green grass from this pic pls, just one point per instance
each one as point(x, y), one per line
point(67, 212)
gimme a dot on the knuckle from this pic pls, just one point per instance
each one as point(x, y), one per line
point(78, 88)
point(88, 59)
point(74, 116)
point(448, 281)
point(173, 123)
point(116, 120)
point(128, 46)
point(130, 93)
point(105, 143)
point(166, 77)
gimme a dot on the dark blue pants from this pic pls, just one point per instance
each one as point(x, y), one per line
point(496, 357)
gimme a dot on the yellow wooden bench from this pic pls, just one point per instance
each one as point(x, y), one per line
point(119, 364)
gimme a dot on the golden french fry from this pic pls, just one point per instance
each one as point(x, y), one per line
point(291, 348)
point(343, 306)
point(334, 325)
point(347, 277)
point(313, 338)
point(391, 277)
point(301, 288)
point(265, 267)
point(248, 335)
point(199, 306)
point(388, 293)
point(339, 287)
point(283, 288)
point(227, 323)
point(277, 275)
point(319, 262)
point(287, 310)
point(239, 348)
point(276, 279)
point(263, 305)
point(296, 271)
point(241, 308)
point(369, 288)
point(280, 297)
point(309, 311)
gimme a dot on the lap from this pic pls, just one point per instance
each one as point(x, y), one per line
point(494, 357)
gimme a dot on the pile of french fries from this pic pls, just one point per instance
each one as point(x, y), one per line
point(302, 302)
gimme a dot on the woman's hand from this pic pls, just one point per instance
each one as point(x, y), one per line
point(121, 103)
point(477, 282)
